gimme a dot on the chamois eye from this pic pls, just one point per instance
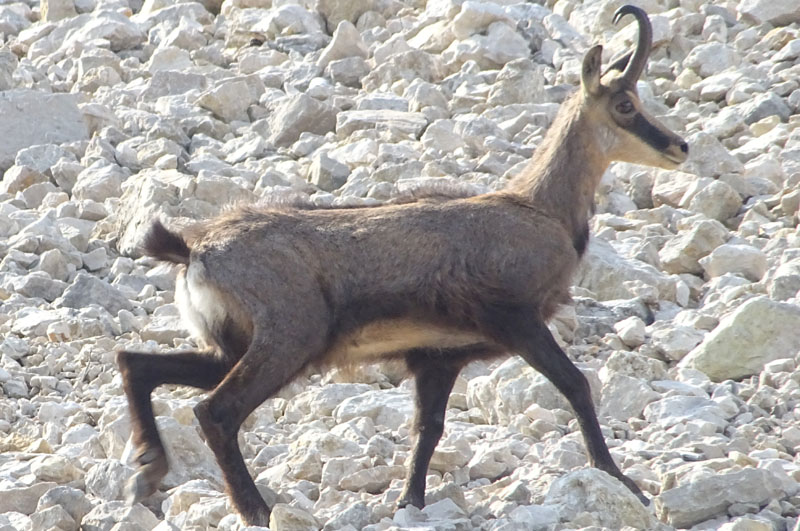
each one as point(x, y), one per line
point(625, 107)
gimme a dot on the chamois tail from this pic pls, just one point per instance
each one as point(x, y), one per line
point(163, 244)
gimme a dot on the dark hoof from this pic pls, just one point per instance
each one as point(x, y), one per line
point(257, 518)
point(152, 469)
point(405, 501)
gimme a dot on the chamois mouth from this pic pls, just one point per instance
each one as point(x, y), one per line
point(675, 159)
point(677, 154)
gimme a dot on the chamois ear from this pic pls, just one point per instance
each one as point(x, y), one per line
point(590, 71)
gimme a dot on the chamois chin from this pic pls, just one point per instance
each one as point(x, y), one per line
point(271, 291)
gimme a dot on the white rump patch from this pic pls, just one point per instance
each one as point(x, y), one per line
point(200, 306)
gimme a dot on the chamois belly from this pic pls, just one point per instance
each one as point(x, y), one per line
point(390, 337)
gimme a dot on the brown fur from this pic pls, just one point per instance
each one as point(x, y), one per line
point(436, 283)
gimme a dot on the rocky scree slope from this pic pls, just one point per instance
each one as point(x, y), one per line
point(686, 311)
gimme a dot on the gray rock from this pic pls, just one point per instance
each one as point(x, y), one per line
point(407, 123)
point(604, 272)
point(87, 289)
point(8, 65)
point(190, 456)
point(744, 260)
point(23, 499)
point(19, 178)
point(675, 342)
point(475, 17)
point(229, 100)
point(759, 331)
point(346, 42)
point(55, 517)
point(113, 26)
point(147, 195)
point(173, 83)
point(358, 515)
point(762, 106)
point(42, 157)
point(298, 114)
point(390, 408)
point(609, 502)
point(673, 410)
point(407, 65)
point(287, 518)
point(785, 282)
point(718, 201)
point(99, 181)
point(682, 253)
point(709, 158)
point(708, 496)
point(29, 117)
point(625, 397)
point(373, 480)
point(106, 480)
point(38, 284)
point(778, 13)
point(105, 515)
point(711, 58)
point(631, 331)
point(349, 71)
point(336, 11)
point(327, 173)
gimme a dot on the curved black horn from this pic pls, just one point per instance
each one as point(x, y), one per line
point(639, 60)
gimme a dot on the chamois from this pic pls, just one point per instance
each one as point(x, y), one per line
point(436, 284)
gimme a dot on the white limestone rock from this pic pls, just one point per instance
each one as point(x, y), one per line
point(337, 11)
point(391, 408)
point(229, 100)
point(631, 330)
point(603, 499)
point(29, 117)
point(718, 201)
point(785, 282)
point(346, 42)
point(778, 13)
point(87, 289)
point(108, 514)
point(743, 260)
point(298, 114)
point(668, 412)
point(287, 518)
point(682, 253)
point(604, 272)
point(625, 397)
point(408, 123)
point(690, 504)
point(757, 332)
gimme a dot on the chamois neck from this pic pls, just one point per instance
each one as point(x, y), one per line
point(566, 168)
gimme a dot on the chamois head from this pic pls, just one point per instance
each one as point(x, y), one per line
point(632, 135)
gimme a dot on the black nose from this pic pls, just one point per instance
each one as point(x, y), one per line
point(684, 147)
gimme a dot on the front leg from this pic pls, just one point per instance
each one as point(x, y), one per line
point(542, 352)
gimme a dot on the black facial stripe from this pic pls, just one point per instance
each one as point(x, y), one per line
point(651, 134)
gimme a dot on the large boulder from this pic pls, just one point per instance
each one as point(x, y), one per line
point(758, 332)
point(29, 117)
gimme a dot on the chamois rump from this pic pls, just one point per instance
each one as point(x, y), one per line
point(436, 284)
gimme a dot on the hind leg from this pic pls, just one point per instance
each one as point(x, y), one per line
point(257, 376)
point(143, 372)
point(434, 379)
